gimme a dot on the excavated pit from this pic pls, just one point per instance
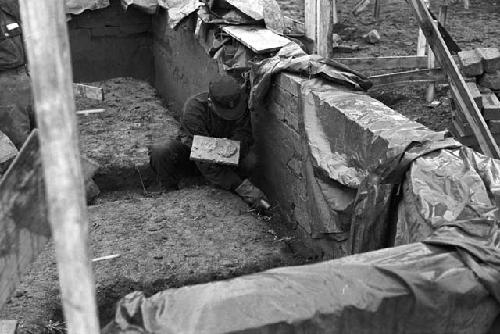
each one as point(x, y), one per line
point(194, 235)
point(197, 234)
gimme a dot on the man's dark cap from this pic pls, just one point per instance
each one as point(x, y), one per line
point(228, 98)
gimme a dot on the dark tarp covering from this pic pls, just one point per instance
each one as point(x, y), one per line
point(447, 284)
point(292, 58)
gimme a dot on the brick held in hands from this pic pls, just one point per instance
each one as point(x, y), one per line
point(491, 80)
point(476, 94)
point(491, 106)
point(215, 150)
point(470, 63)
point(490, 58)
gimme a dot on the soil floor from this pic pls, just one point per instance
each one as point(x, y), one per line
point(194, 235)
point(199, 233)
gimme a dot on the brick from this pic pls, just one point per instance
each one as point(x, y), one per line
point(490, 58)
point(471, 63)
point(476, 94)
point(291, 120)
point(215, 150)
point(491, 80)
point(291, 83)
point(491, 107)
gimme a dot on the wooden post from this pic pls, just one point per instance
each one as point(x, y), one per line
point(324, 28)
point(310, 19)
point(320, 15)
point(48, 52)
point(462, 95)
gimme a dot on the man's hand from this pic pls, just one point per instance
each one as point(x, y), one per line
point(253, 196)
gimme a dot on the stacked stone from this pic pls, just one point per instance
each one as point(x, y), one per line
point(481, 71)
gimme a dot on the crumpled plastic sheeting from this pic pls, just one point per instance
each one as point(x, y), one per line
point(147, 6)
point(448, 284)
point(179, 9)
point(376, 203)
point(292, 58)
point(76, 7)
point(444, 186)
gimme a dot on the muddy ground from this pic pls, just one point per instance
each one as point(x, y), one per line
point(194, 235)
point(199, 233)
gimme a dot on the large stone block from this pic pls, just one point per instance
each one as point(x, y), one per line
point(491, 106)
point(471, 63)
point(490, 58)
point(491, 80)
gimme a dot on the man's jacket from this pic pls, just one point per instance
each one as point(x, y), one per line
point(199, 119)
point(11, 42)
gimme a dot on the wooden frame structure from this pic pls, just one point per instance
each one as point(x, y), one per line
point(47, 44)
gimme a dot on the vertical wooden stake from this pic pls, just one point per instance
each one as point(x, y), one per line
point(310, 19)
point(335, 14)
point(48, 51)
point(324, 28)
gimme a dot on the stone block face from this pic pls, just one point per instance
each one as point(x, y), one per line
point(476, 94)
point(491, 80)
point(490, 58)
point(491, 107)
point(291, 83)
point(470, 63)
point(215, 150)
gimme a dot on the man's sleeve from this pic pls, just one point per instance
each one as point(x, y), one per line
point(243, 134)
point(11, 7)
point(193, 124)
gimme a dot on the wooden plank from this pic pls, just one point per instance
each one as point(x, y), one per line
point(86, 112)
point(90, 92)
point(458, 86)
point(393, 63)
point(259, 40)
point(24, 229)
point(8, 326)
point(46, 37)
point(432, 75)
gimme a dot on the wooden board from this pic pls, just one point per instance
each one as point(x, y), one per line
point(90, 92)
point(24, 229)
point(384, 63)
point(215, 150)
point(458, 86)
point(432, 75)
point(259, 40)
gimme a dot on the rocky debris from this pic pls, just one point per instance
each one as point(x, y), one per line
point(372, 37)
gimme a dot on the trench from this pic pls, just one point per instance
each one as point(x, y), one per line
point(197, 234)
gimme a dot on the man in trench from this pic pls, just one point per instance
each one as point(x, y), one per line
point(16, 113)
point(221, 112)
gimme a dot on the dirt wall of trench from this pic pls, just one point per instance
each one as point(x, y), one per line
point(111, 43)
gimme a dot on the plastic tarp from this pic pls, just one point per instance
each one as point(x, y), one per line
point(444, 186)
point(447, 284)
point(78, 6)
point(292, 58)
